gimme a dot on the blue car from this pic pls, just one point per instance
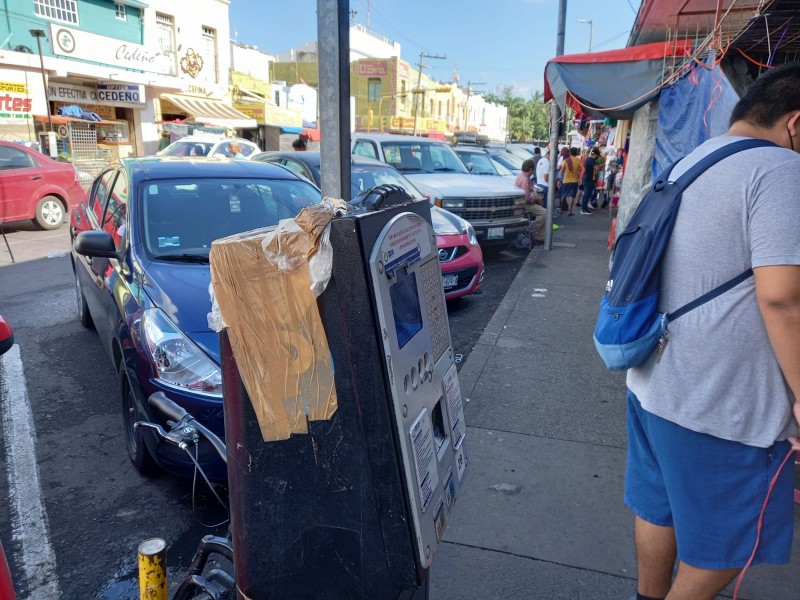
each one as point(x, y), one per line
point(140, 244)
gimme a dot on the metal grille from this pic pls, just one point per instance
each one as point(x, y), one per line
point(58, 10)
point(88, 159)
point(489, 202)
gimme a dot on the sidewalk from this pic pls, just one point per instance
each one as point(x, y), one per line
point(541, 516)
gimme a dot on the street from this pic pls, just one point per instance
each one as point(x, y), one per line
point(96, 506)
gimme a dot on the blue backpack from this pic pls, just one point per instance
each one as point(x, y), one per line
point(629, 326)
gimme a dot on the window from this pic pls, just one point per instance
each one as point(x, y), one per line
point(57, 10)
point(122, 11)
point(365, 149)
point(116, 217)
point(373, 89)
point(12, 158)
point(210, 54)
point(165, 35)
point(99, 194)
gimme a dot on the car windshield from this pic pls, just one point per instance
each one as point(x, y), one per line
point(480, 161)
point(501, 169)
point(180, 219)
point(188, 148)
point(426, 157)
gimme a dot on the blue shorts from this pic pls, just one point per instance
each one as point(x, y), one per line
point(569, 190)
point(710, 490)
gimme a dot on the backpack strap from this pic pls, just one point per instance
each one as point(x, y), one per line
point(683, 182)
point(705, 163)
point(717, 291)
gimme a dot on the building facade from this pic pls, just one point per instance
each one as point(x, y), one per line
point(122, 61)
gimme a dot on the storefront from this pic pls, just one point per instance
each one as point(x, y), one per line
point(21, 97)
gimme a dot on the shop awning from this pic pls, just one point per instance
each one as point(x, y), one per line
point(211, 112)
point(613, 83)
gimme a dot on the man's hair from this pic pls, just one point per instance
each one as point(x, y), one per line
point(299, 143)
point(573, 151)
point(595, 150)
point(537, 150)
point(770, 97)
point(527, 165)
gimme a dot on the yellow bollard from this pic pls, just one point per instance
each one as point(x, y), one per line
point(153, 570)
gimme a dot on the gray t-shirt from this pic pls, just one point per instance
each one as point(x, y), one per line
point(718, 373)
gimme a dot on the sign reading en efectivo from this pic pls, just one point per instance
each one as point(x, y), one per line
point(112, 94)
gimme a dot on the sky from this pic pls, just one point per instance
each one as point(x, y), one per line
point(492, 42)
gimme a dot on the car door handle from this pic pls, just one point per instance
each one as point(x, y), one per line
point(36, 177)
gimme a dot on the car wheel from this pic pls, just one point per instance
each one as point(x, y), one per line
point(83, 310)
point(49, 213)
point(137, 449)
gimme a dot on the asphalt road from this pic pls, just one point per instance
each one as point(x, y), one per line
point(93, 507)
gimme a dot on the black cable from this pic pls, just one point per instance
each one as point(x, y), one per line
point(197, 468)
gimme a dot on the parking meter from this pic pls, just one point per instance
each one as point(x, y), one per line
point(357, 507)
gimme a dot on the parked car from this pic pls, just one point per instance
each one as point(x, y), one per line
point(34, 186)
point(493, 205)
point(460, 255)
point(511, 161)
point(478, 161)
point(522, 149)
point(140, 246)
point(198, 146)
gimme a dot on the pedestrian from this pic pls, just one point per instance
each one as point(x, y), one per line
point(712, 416)
point(570, 169)
point(537, 156)
point(542, 170)
point(299, 145)
point(533, 205)
point(236, 151)
point(163, 141)
point(588, 174)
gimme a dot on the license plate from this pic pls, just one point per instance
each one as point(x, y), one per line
point(495, 233)
point(449, 281)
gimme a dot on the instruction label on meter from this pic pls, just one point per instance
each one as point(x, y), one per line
point(424, 457)
point(405, 246)
point(455, 408)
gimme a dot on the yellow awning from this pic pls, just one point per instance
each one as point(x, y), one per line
point(211, 112)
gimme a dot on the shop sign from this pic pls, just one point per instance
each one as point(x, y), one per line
point(403, 70)
point(372, 68)
point(121, 94)
point(82, 45)
point(254, 111)
point(204, 91)
point(103, 94)
point(19, 99)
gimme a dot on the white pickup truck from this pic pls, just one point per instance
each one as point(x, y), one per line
point(493, 205)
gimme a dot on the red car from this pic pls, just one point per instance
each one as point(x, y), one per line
point(34, 186)
point(460, 255)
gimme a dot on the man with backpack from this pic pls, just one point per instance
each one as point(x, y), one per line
point(713, 411)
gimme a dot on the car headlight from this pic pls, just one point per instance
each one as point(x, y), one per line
point(176, 360)
point(470, 231)
point(451, 203)
point(519, 201)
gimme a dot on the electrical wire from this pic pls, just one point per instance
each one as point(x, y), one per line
point(740, 579)
point(778, 45)
point(751, 59)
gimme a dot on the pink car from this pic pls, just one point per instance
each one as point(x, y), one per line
point(34, 186)
point(460, 255)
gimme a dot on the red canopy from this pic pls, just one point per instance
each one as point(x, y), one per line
point(313, 135)
point(618, 80)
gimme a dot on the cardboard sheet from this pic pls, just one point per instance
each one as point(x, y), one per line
point(274, 325)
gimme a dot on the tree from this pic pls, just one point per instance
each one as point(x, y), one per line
point(527, 119)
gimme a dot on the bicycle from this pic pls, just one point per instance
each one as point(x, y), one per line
point(185, 432)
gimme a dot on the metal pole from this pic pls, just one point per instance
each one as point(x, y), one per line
point(333, 31)
point(416, 92)
point(44, 83)
point(153, 570)
point(555, 118)
point(5, 239)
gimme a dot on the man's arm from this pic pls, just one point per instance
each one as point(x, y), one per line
point(778, 294)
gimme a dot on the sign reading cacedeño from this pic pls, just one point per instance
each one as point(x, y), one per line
point(109, 94)
point(82, 45)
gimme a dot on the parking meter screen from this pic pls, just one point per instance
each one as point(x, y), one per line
point(405, 306)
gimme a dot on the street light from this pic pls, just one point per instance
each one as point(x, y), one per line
point(39, 34)
point(591, 30)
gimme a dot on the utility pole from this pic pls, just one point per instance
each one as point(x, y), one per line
point(418, 92)
point(555, 119)
point(466, 107)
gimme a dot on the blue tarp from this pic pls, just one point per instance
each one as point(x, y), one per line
point(697, 107)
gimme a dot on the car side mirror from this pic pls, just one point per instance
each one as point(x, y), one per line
point(6, 336)
point(97, 244)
